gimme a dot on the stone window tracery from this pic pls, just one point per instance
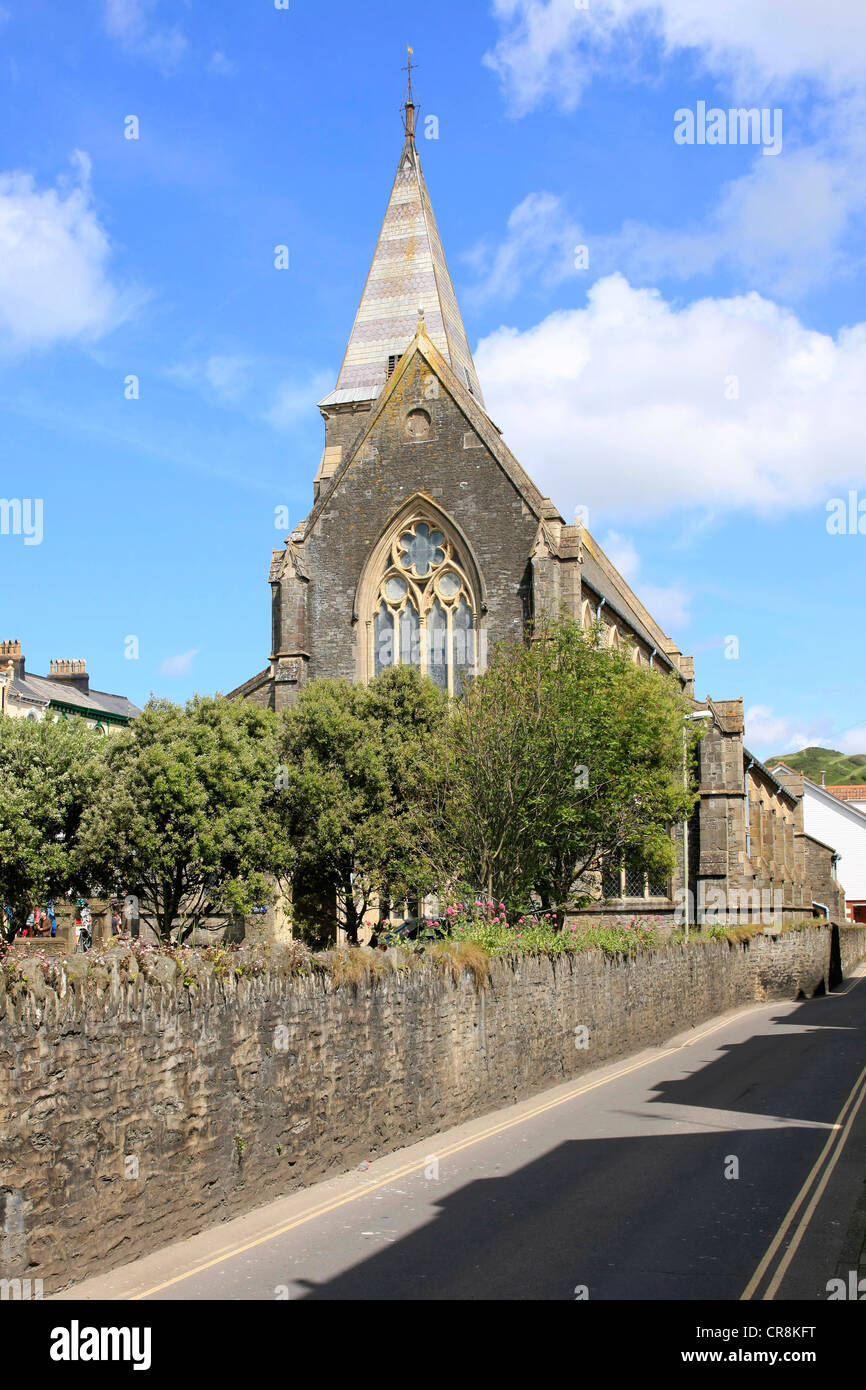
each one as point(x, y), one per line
point(424, 610)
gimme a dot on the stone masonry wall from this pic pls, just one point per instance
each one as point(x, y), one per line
point(469, 486)
point(138, 1108)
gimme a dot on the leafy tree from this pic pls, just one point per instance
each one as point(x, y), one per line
point(561, 760)
point(357, 766)
point(49, 772)
point(182, 817)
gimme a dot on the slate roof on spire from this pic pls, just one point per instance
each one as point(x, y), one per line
point(408, 273)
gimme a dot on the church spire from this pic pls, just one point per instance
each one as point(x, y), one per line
point(408, 272)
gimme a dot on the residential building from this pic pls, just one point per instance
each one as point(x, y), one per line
point(837, 822)
point(64, 692)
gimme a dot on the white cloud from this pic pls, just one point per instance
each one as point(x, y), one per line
point(180, 665)
point(783, 225)
point(785, 222)
point(294, 398)
point(220, 65)
point(129, 22)
point(667, 603)
point(550, 50)
point(222, 374)
point(55, 283)
point(622, 553)
point(538, 248)
point(775, 735)
point(633, 403)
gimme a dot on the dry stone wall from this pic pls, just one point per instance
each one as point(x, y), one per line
point(140, 1106)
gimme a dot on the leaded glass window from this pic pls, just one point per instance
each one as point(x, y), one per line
point(464, 642)
point(437, 644)
point(424, 609)
point(618, 882)
point(383, 639)
point(634, 883)
point(410, 635)
point(611, 881)
point(422, 549)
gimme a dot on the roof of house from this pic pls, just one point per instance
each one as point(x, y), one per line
point(42, 690)
point(826, 795)
point(849, 793)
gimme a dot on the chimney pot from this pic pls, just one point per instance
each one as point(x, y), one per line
point(10, 654)
point(71, 672)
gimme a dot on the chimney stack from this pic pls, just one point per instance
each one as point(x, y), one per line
point(823, 779)
point(10, 654)
point(71, 673)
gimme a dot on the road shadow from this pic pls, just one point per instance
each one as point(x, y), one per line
point(636, 1216)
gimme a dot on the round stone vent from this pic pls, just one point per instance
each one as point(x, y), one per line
point(418, 424)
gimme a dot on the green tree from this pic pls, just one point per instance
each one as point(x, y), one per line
point(182, 817)
point(49, 772)
point(561, 760)
point(357, 768)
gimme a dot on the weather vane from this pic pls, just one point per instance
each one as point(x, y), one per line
point(409, 68)
point(409, 108)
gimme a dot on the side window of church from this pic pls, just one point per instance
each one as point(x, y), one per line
point(424, 611)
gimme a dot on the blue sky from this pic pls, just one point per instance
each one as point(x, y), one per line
point(698, 385)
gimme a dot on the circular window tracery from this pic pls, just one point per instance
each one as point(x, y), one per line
point(420, 549)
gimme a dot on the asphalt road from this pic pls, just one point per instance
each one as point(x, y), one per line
point(618, 1185)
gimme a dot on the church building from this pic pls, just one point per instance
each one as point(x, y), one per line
point(428, 543)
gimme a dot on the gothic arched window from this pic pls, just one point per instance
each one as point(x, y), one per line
point(423, 612)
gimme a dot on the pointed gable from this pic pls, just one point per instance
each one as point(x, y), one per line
point(408, 273)
point(475, 419)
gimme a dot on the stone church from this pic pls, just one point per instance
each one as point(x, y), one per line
point(428, 543)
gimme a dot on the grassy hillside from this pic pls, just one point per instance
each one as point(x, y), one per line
point(842, 769)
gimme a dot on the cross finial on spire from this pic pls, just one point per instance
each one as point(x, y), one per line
point(409, 105)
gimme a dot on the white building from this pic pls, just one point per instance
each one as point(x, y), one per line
point(839, 824)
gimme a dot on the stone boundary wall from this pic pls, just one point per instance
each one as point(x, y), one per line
point(136, 1110)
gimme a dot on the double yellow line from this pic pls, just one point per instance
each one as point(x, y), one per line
point(818, 1179)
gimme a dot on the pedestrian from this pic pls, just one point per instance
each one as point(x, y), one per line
point(83, 927)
